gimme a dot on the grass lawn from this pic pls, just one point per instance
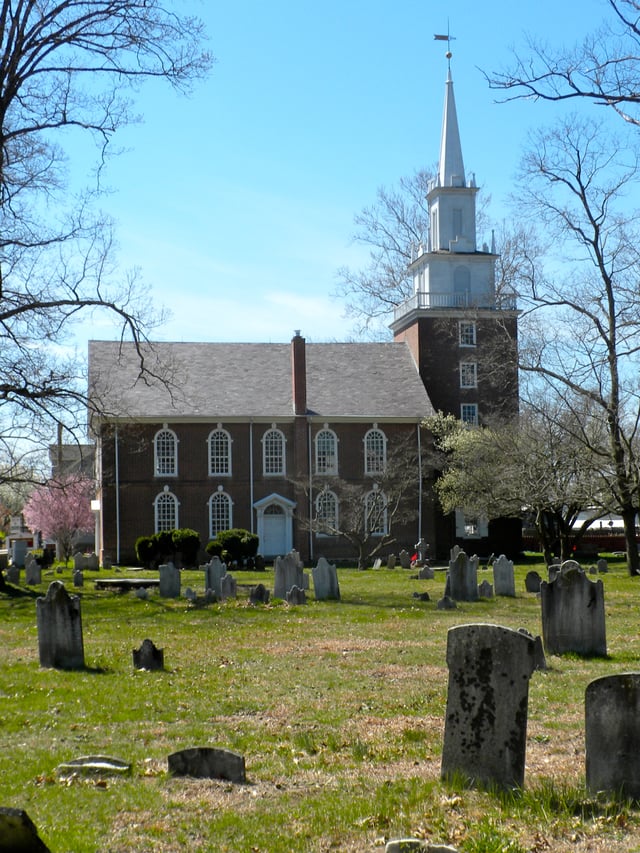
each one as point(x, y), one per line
point(337, 707)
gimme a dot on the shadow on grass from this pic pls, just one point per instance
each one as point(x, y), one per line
point(11, 591)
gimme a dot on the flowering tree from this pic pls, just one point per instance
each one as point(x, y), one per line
point(60, 510)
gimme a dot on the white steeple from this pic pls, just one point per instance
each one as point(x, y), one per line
point(451, 166)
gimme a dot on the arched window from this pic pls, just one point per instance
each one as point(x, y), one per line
point(165, 511)
point(375, 510)
point(220, 513)
point(375, 451)
point(326, 452)
point(165, 448)
point(273, 458)
point(326, 513)
point(219, 442)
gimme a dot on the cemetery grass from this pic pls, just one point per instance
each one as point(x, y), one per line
point(337, 707)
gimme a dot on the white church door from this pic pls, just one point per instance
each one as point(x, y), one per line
point(275, 525)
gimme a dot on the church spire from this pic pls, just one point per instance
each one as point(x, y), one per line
point(451, 166)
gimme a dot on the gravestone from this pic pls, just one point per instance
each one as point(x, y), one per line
point(486, 718)
point(421, 550)
point(296, 595)
point(33, 574)
point(573, 618)
point(214, 571)
point(426, 573)
point(612, 735)
point(462, 579)
point(208, 763)
point(405, 559)
point(453, 553)
point(446, 603)
point(59, 621)
point(142, 593)
point(148, 656)
point(79, 561)
point(504, 582)
point(570, 566)
point(93, 564)
point(602, 566)
point(259, 563)
point(540, 662)
point(107, 562)
point(259, 594)
point(391, 561)
point(78, 578)
point(288, 573)
point(485, 589)
point(325, 581)
point(553, 570)
point(13, 574)
point(377, 564)
point(532, 582)
point(228, 587)
point(19, 553)
point(169, 581)
point(18, 833)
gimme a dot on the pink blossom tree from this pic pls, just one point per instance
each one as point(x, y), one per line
point(60, 510)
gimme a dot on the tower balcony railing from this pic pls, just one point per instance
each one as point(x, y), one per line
point(428, 301)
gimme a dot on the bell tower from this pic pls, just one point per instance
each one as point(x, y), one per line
point(461, 330)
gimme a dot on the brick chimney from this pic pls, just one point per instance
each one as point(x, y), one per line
point(299, 374)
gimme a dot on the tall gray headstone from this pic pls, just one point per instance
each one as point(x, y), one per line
point(288, 573)
point(612, 735)
point(228, 587)
point(462, 580)
point(213, 574)
point(59, 622)
point(602, 566)
point(79, 561)
point(325, 581)
point(486, 718)
point(13, 574)
point(169, 581)
point(93, 564)
point(33, 573)
point(573, 618)
point(405, 559)
point(504, 582)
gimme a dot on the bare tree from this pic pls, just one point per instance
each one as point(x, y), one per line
point(69, 68)
point(604, 68)
point(583, 336)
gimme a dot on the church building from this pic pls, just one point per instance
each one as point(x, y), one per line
point(252, 435)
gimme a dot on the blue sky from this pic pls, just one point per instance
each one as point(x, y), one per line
point(237, 203)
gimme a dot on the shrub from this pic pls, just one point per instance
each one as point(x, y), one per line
point(146, 550)
point(186, 543)
point(235, 545)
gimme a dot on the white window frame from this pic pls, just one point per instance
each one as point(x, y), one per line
point(268, 457)
point(165, 498)
point(468, 374)
point(161, 456)
point(376, 495)
point(220, 498)
point(469, 414)
point(467, 333)
point(327, 455)
point(215, 456)
point(333, 523)
point(375, 454)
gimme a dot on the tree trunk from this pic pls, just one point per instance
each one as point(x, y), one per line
point(629, 521)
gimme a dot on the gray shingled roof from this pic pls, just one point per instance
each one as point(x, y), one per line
point(222, 380)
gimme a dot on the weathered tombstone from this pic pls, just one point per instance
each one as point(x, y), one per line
point(93, 564)
point(405, 559)
point(228, 587)
point(377, 563)
point(391, 561)
point(426, 573)
point(532, 582)
point(259, 594)
point(169, 581)
point(79, 561)
point(59, 622)
point(288, 573)
point(208, 763)
point(259, 563)
point(462, 579)
point(422, 596)
point(421, 550)
point(19, 552)
point(486, 718)
point(485, 589)
point(13, 574)
point(416, 845)
point(107, 562)
point(570, 566)
point(148, 656)
point(539, 658)
point(189, 594)
point(602, 566)
point(454, 552)
point(33, 574)
point(504, 582)
point(325, 581)
point(18, 833)
point(446, 603)
point(142, 593)
point(93, 765)
point(213, 574)
point(78, 578)
point(296, 595)
point(612, 735)
point(573, 618)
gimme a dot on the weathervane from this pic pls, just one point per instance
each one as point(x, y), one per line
point(448, 38)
